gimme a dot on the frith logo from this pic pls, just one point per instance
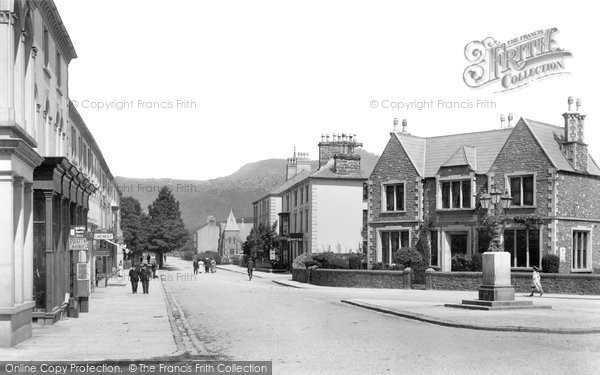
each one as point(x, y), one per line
point(514, 63)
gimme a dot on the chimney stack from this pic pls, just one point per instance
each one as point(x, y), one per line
point(341, 143)
point(510, 118)
point(573, 147)
point(395, 124)
point(404, 124)
point(346, 164)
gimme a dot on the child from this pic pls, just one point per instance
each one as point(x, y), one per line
point(536, 282)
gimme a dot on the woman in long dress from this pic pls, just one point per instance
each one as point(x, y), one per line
point(537, 283)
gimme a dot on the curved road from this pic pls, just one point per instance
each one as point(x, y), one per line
point(309, 331)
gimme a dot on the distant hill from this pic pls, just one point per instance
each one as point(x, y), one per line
point(199, 199)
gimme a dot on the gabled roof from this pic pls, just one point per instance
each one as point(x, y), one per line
point(479, 150)
point(231, 223)
point(550, 138)
point(465, 155)
point(429, 154)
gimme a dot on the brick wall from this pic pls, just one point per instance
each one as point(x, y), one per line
point(552, 283)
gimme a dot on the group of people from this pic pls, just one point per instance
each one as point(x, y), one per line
point(210, 265)
point(142, 274)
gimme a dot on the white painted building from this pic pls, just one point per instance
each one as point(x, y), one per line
point(324, 210)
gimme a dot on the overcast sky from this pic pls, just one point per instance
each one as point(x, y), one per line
point(259, 77)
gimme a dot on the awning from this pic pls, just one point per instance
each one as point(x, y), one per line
point(117, 245)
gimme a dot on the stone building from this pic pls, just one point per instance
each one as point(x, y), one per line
point(233, 235)
point(52, 173)
point(546, 169)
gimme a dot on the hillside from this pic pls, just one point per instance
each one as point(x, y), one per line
point(199, 199)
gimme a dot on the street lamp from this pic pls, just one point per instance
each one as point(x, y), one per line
point(496, 291)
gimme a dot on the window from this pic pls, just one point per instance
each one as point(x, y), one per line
point(434, 259)
point(58, 68)
point(523, 246)
point(306, 218)
point(46, 47)
point(287, 202)
point(73, 143)
point(295, 197)
point(300, 221)
point(306, 193)
point(365, 191)
point(580, 250)
point(521, 190)
point(393, 197)
point(392, 241)
point(365, 219)
point(301, 195)
point(456, 194)
point(295, 222)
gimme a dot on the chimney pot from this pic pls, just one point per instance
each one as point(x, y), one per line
point(570, 102)
point(510, 118)
point(327, 137)
point(404, 124)
point(395, 123)
point(322, 137)
point(578, 104)
point(502, 119)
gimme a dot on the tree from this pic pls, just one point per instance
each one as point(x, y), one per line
point(164, 226)
point(131, 225)
point(261, 241)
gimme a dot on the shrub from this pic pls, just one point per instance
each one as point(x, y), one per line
point(187, 255)
point(300, 261)
point(357, 261)
point(323, 259)
point(379, 266)
point(477, 262)
point(462, 262)
point(550, 263)
point(338, 263)
point(408, 257)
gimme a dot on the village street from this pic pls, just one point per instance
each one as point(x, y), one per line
point(310, 331)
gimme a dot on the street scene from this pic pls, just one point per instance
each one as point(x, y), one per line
point(281, 188)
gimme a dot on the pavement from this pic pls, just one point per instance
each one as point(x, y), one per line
point(119, 326)
point(569, 314)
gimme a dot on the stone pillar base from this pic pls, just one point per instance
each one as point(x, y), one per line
point(496, 293)
point(15, 324)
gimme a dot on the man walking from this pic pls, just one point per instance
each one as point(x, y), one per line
point(250, 268)
point(134, 277)
point(145, 278)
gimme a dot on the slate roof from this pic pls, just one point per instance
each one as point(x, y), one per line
point(550, 137)
point(286, 185)
point(429, 154)
point(326, 171)
point(231, 223)
point(479, 150)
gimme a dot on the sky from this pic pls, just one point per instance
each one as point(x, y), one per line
point(193, 89)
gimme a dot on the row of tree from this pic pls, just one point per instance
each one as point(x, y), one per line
point(159, 231)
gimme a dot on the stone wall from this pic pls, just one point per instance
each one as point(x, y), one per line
point(354, 278)
point(551, 282)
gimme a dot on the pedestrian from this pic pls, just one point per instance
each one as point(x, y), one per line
point(134, 277)
point(145, 278)
point(154, 271)
point(250, 268)
point(200, 266)
point(536, 282)
point(213, 265)
point(206, 265)
point(148, 258)
point(196, 265)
